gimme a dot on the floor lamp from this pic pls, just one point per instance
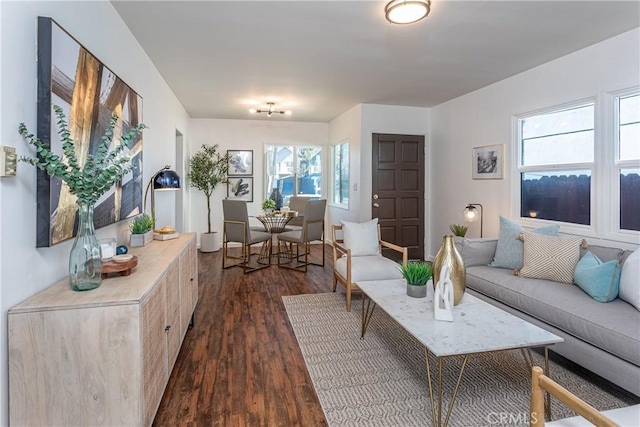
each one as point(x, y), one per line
point(471, 214)
point(163, 180)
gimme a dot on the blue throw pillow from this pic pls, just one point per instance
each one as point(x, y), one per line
point(600, 280)
point(510, 249)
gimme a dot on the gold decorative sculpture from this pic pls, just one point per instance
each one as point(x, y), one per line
point(449, 255)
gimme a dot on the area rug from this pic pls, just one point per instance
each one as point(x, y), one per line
point(381, 380)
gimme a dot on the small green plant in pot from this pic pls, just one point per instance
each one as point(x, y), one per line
point(458, 230)
point(417, 275)
point(268, 205)
point(141, 230)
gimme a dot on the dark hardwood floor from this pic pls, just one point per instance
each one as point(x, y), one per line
point(240, 364)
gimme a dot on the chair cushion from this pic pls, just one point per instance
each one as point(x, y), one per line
point(600, 280)
point(294, 236)
point(373, 267)
point(509, 251)
point(361, 238)
point(258, 236)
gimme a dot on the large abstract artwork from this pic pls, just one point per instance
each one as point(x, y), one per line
point(89, 93)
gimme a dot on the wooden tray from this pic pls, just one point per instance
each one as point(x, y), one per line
point(124, 268)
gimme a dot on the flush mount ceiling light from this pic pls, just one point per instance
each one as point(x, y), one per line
point(406, 11)
point(270, 110)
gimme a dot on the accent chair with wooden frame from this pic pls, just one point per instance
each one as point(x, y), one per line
point(350, 267)
point(540, 384)
point(237, 230)
point(312, 230)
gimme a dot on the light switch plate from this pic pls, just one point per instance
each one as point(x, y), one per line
point(8, 161)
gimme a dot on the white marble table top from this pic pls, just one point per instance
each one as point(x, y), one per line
point(477, 326)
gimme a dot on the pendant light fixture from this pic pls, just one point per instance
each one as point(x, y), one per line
point(270, 110)
point(407, 11)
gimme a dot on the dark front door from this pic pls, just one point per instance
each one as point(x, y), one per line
point(397, 196)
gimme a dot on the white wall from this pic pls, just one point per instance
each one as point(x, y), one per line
point(484, 117)
point(347, 127)
point(244, 135)
point(358, 126)
point(25, 270)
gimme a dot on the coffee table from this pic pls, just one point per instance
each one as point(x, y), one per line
point(478, 327)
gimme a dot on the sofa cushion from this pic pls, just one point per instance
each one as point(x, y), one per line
point(374, 267)
point(612, 327)
point(361, 238)
point(476, 251)
point(509, 250)
point(600, 280)
point(550, 257)
point(630, 280)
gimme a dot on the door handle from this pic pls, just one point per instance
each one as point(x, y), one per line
point(376, 205)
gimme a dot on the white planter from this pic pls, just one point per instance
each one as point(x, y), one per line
point(210, 242)
point(142, 239)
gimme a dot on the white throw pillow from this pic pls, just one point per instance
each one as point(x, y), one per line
point(361, 238)
point(630, 280)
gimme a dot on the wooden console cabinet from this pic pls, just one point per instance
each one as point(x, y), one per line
point(103, 357)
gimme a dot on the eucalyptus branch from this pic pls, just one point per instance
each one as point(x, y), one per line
point(98, 174)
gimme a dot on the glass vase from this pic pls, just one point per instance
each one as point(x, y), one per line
point(449, 255)
point(85, 260)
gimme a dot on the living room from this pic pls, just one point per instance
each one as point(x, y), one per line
point(452, 129)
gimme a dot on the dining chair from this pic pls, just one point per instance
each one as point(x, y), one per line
point(312, 230)
point(237, 230)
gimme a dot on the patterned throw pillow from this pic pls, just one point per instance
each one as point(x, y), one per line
point(601, 280)
point(550, 257)
point(509, 252)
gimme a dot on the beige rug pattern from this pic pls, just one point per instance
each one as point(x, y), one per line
point(381, 380)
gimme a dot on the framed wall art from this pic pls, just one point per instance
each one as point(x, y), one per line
point(89, 93)
point(240, 188)
point(487, 162)
point(240, 162)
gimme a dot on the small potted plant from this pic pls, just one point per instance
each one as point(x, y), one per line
point(417, 275)
point(268, 205)
point(458, 230)
point(141, 230)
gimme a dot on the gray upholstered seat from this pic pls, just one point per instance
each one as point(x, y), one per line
point(312, 230)
point(349, 269)
point(237, 230)
point(298, 204)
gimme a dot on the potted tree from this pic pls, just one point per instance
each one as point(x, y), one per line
point(208, 170)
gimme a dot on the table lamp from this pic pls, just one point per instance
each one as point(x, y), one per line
point(163, 180)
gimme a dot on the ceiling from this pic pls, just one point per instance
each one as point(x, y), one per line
point(320, 58)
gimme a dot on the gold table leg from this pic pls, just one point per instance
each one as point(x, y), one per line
point(366, 314)
point(438, 421)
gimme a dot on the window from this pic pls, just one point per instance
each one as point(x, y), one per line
point(627, 164)
point(340, 163)
point(293, 170)
point(556, 163)
point(579, 164)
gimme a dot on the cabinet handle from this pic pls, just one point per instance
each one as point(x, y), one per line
point(166, 328)
point(191, 279)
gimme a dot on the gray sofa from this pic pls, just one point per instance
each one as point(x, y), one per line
point(602, 337)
